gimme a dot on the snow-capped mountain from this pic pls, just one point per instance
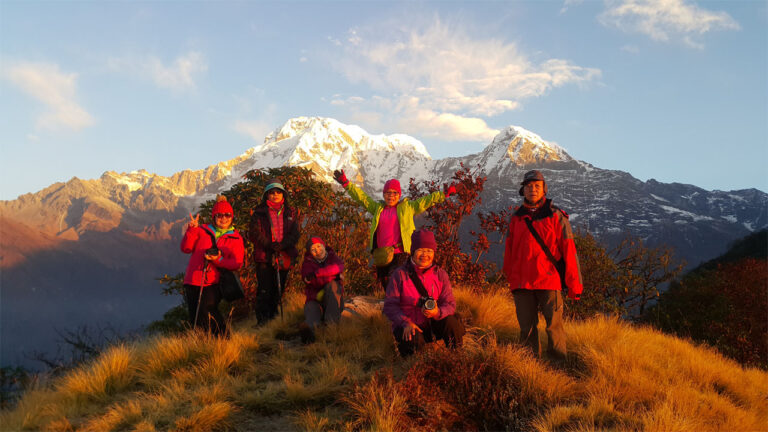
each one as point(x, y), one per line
point(606, 202)
point(97, 245)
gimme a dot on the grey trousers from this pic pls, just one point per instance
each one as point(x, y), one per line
point(329, 309)
point(528, 303)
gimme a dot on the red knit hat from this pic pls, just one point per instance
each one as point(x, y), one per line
point(222, 206)
point(423, 239)
point(313, 240)
point(393, 184)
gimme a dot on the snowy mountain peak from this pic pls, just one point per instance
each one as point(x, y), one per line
point(312, 134)
point(524, 147)
point(324, 145)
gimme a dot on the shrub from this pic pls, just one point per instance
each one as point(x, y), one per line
point(724, 306)
point(322, 211)
point(462, 390)
point(445, 220)
point(622, 280)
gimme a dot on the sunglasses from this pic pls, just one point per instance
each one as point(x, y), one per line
point(223, 215)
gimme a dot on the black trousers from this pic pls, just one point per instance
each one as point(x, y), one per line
point(382, 273)
point(209, 317)
point(449, 329)
point(268, 292)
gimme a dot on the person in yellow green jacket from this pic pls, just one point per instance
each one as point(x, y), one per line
point(392, 223)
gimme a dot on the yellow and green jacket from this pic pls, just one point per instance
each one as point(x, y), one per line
point(406, 210)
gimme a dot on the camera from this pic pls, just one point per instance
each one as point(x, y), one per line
point(427, 303)
point(212, 251)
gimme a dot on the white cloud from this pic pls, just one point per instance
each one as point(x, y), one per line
point(447, 79)
point(257, 130)
point(665, 20)
point(632, 49)
point(337, 100)
point(406, 114)
point(54, 88)
point(179, 75)
point(568, 3)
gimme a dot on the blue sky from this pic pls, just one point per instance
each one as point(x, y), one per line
point(674, 90)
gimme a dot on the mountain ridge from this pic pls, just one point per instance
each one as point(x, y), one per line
point(125, 221)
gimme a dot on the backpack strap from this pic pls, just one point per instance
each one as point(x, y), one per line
point(213, 237)
point(417, 282)
point(559, 265)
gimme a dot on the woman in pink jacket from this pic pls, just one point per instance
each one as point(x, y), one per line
point(203, 268)
point(419, 301)
point(321, 272)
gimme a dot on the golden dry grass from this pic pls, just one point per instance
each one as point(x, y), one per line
point(619, 377)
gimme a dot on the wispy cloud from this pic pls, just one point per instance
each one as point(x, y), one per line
point(665, 20)
point(569, 3)
point(179, 75)
point(440, 77)
point(54, 88)
point(257, 130)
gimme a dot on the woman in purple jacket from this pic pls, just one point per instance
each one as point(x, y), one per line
point(321, 272)
point(419, 300)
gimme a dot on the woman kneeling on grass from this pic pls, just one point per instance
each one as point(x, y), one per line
point(419, 300)
point(324, 292)
point(203, 269)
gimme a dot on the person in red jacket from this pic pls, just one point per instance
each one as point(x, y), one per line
point(202, 272)
point(419, 300)
point(534, 279)
point(274, 232)
point(324, 292)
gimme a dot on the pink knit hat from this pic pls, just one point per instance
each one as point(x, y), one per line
point(313, 240)
point(393, 184)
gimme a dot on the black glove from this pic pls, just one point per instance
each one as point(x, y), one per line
point(340, 177)
point(276, 246)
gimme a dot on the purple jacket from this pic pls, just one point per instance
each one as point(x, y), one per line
point(331, 268)
point(401, 303)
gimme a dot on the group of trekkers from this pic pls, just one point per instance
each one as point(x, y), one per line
point(539, 262)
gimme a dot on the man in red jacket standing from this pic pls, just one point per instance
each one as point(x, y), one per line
point(537, 269)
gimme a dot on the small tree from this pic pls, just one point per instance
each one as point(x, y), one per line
point(445, 220)
point(622, 280)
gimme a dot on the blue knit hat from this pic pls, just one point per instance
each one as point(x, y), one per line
point(272, 184)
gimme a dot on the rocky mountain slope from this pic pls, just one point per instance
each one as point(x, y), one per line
point(106, 239)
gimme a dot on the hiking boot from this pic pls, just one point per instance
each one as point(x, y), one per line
point(306, 333)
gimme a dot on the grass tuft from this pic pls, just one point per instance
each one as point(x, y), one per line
point(111, 373)
point(378, 404)
point(208, 418)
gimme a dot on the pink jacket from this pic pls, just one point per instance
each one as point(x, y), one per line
point(402, 298)
point(525, 263)
point(323, 272)
point(196, 241)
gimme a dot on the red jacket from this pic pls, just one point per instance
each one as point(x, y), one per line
point(525, 263)
point(196, 242)
point(331, 268)
point(401, 304)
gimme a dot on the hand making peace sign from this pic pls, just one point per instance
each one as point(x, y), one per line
point(194, 221)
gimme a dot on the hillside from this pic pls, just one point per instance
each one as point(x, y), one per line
point(90, 242)
point(619, 377)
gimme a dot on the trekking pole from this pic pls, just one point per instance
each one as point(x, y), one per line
point(200, 297)
point(279, 287)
